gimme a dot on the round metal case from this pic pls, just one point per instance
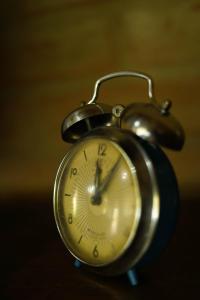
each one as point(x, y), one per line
point(155, 180)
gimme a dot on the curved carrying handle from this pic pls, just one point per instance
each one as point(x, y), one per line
point(122, 74)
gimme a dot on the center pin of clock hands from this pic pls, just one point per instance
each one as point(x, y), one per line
point(101, 187)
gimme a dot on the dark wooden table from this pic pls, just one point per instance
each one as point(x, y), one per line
point(36, 265)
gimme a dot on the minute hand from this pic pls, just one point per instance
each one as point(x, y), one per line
point(103, 186)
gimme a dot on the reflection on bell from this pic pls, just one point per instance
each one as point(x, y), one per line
point(151, 123)
point(84, 119)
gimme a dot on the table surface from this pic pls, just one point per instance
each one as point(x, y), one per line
point(36, 265)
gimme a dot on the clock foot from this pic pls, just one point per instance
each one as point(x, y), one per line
point(77, 264)
point(132, 276)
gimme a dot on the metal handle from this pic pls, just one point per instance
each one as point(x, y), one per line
point(122, 74)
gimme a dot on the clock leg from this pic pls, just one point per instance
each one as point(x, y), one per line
point(132, 276)
point(77, 264)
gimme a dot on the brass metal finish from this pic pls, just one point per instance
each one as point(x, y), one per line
point(84, 119)
point(151, 121)
point(154, 124)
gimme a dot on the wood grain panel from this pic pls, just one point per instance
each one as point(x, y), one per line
point(53, 51)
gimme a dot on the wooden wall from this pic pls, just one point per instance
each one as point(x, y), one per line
point(53, 51)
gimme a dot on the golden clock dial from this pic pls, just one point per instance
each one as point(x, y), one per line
point(97, 201)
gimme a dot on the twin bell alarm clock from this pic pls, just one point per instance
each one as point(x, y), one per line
point(115, 193)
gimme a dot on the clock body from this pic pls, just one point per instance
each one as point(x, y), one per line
point(115, 200)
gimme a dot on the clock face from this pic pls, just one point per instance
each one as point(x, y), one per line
point(97, 201)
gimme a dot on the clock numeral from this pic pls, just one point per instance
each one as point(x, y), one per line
point(95, 252)
point(70, 219)
point(68, 195)
point(102, 149)
point(73, 172)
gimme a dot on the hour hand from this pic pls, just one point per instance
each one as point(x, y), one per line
point(96, 183)
point(97, 176)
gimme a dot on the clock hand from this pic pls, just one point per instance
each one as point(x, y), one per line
point(104, 184)
point(97, 175)
point(96, 182)
point(109, 177)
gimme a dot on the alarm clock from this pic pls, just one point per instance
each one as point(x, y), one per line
point(115, 195)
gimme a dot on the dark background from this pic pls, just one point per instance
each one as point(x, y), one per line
point(51, 54)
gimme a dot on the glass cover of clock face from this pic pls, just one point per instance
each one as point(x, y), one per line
point(97, 201)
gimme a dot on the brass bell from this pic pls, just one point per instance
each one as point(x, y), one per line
point(154, 123)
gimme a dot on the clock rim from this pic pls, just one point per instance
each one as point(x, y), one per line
point(73, 150)
point(150, 209)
